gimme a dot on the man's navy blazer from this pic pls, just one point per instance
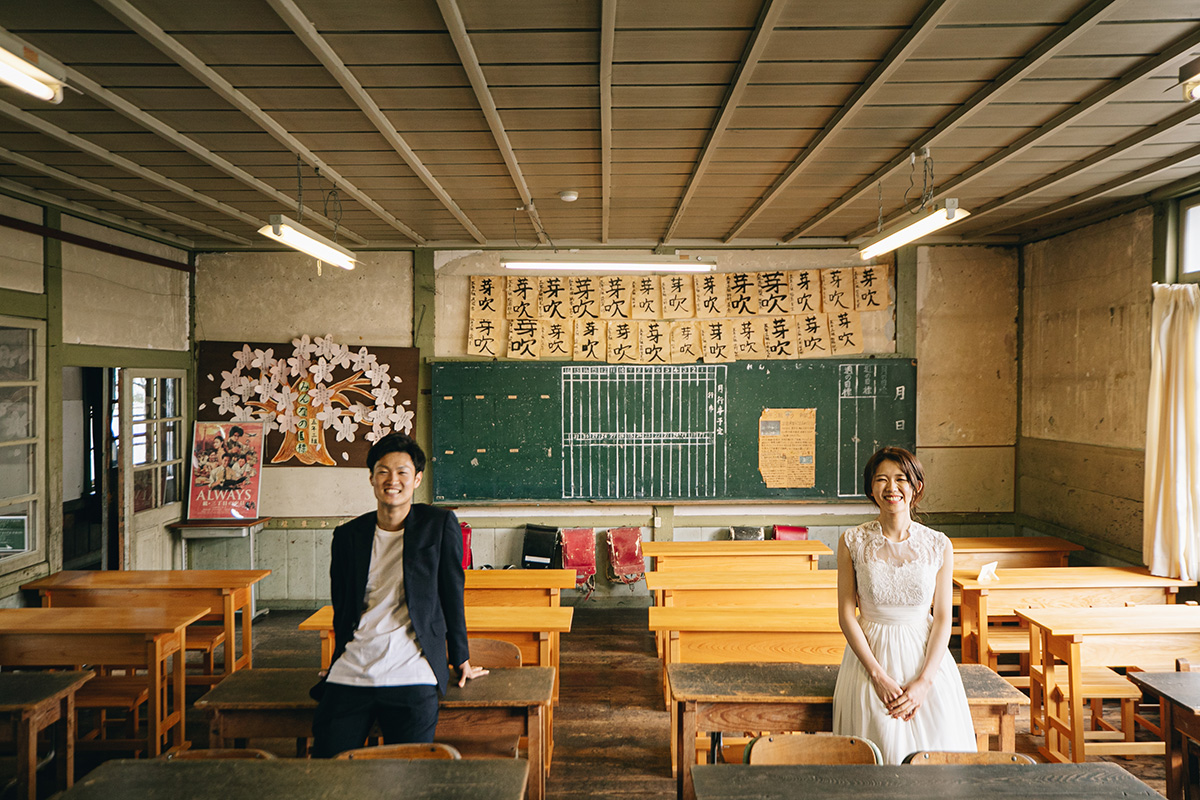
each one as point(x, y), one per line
point(433, 583)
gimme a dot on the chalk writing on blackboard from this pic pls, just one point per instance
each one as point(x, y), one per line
point(644, 431)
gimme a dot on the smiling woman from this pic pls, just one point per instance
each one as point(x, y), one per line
point(898, 685)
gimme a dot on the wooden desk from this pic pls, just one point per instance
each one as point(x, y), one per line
point(777, 586)
point(1147, 637)
point(226, 591)
point(713, 635)
point(516, 587)
point(1051, 587)
point(274, 703)
point(1179, 717)
point(799, 697)
point(251, 779)
point(1098, 781)
point(802, 553)
point(530, 628)
point(972, 552)
point(33, 701)
point(129, 637)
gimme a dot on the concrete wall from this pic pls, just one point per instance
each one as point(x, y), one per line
point(117, 302)
point(20, 253)
point(1085, 377)
point(967, 377)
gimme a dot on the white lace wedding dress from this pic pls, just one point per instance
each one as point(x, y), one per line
point(895, 592)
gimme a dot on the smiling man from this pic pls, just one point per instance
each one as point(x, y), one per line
point(396, 581)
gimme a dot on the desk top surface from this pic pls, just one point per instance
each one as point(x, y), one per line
point(1181, 688)
point(304, 779)
point(149, 579)
point(1066, 578)
point(1092, 781)
point(481, 619)
point(277, 689)
point(722, 547)
point(20, 690)
point(1012, 544)
point(1115, 620)
point(776, 620)
point(784, 682)
point(99, 620)
point(520, 579)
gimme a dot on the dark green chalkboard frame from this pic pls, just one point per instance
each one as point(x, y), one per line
point(498, 428)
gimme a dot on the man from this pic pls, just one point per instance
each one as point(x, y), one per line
point(396, 579)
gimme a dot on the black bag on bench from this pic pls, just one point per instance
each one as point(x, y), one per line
point(540, 548)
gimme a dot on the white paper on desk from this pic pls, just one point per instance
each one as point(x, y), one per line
point(988, 571)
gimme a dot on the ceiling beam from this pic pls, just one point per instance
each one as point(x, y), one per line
point(1182, 117)
point(767, 17)
point(84, 211)
point(290, 13)
point(121, 162)
point(608, 37)
point(170, 46)
point(1098, 191)
point(920, 30)
point(127, 109)
point(124, 199)
point(1083, 21)
point(470, 62)
point(1181, 49)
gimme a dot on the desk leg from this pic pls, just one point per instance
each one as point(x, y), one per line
point(247, 620)
point(686, 748)
point(179, 661)
point(64, 744)
point(1008, 730)
point(27, 755)
point(229, 621)
point(156, 711)
point(1175, 752)
point(326, 649)
point(1078, 729)
point(535, 729)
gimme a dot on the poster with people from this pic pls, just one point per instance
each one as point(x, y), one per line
point(226, 465)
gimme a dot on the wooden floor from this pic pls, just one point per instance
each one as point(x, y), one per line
point(611, 730)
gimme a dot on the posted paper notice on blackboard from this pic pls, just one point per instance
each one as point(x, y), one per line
point(787, 447)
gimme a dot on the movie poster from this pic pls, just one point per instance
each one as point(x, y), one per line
point(226, 467)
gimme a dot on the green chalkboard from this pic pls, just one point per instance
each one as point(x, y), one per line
point(587, 432)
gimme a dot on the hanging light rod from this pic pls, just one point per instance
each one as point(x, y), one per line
point(287, 231)
point(30, 70)
point(587, 263)
point(938, 216)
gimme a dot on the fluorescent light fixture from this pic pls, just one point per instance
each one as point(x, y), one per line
point(938, 216)
point(29, 70)
point(1189, 78)
point(577, 263)
point(293, 234)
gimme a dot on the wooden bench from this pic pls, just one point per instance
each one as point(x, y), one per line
point(986, 604)
point(802, 554)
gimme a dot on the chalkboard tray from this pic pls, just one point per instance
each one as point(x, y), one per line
point(578, 432)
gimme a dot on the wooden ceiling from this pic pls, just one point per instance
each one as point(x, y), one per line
point(684, 123)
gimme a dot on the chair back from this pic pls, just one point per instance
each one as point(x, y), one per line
point(490, 653)
point(982, 757)
point(218, 752)
point(811, 748)
point(407, 752)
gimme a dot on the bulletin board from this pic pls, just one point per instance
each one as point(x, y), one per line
point(748, 430)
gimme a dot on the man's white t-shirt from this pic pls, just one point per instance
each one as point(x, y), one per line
point(384, 650)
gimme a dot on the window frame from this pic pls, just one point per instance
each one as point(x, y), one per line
point(38, 530)
point(1186, 204)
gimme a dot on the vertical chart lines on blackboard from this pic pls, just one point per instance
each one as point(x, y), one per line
point(634, 431)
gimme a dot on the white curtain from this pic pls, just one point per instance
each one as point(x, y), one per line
point(1171, 534)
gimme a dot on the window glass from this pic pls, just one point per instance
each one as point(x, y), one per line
point(1189, 261)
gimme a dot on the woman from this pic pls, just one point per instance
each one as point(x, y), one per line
point(898, 685)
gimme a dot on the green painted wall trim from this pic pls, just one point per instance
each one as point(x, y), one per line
point(22, 304)
point(906, 301)
point(86, 355)
point(424, 291)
